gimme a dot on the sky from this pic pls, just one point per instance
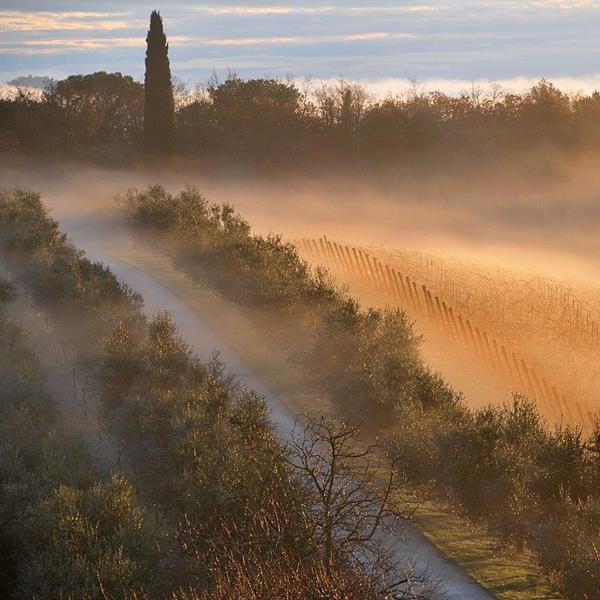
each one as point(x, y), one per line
point(443, 44)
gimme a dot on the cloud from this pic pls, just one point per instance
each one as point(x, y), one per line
point(244, 11)
point(565, 4)
point(380, 88)
point(501, 8)
point(57, 46)
point(294, 40)
point(61, 21)
point(458, 39)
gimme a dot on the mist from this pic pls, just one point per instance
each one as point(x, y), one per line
point(545, 225)
point(281, 337)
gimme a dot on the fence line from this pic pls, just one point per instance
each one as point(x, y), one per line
point(581, 323)
point(479, 345)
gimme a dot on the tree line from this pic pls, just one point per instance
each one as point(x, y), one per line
point(270, 122)
point(502, 466)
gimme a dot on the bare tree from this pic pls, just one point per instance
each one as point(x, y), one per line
point(356, 497)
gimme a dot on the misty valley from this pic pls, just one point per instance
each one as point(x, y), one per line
point(273, 338)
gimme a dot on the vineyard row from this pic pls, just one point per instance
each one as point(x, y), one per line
point(416, 298)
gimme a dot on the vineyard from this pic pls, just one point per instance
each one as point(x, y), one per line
point(530, 336)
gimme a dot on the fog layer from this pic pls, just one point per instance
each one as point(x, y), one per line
point(543, 223)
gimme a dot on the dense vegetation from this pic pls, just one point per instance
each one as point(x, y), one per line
point(99, 115)
point(274, 122)
point(364, 359)
point(228, 498)
point(503, 467)
point(65, 530)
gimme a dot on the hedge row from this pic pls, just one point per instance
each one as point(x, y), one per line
point(504, 467)
point(199, 446)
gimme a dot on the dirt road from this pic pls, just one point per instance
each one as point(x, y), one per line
point(451, 581)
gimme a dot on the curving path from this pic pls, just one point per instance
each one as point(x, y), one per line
point(451, 582)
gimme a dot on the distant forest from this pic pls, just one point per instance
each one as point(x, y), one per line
point(272, 122)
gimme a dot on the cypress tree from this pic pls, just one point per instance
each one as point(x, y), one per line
point(159, 113)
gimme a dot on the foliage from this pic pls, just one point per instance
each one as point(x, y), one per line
point(87, 544)
point(258, 119)
point(58, 274)
point(203, 447)
point(500, 464)
point(200, 447)
point(366, 361)
point(95, 115)
point(529, 485)
point(159, 124)
point(568, 546)
point(273, 122)
point(280, 579)
point(63, 534)
point(347, 515)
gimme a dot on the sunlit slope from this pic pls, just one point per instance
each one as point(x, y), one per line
point(490, 332)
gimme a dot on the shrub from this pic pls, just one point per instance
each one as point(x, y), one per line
point(367, 362)
point(63, 534)
point(200, 446)
point(500, 464)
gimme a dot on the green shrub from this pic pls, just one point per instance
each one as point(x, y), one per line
point(367, 362)
point(200, 446)
point(63, 534)
point(88, 544)
point(500, 464)
point(568, 545)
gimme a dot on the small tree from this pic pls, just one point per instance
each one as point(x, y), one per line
point(355, 499)
point(159, 112)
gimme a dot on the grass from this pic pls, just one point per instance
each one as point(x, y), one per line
point(508, 576)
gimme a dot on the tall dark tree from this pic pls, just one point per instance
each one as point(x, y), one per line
point(159, 117)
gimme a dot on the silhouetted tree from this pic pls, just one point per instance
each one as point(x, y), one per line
point(159, 118)
point(99, 114)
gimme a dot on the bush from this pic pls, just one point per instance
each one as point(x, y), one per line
point(63, 534)
point(500, 464)
point(529, 485)
point(200, 446)
point(88, 544)
point(567, 544)
point(367, 362)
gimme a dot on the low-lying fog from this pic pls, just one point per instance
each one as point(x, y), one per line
point(548, 224)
